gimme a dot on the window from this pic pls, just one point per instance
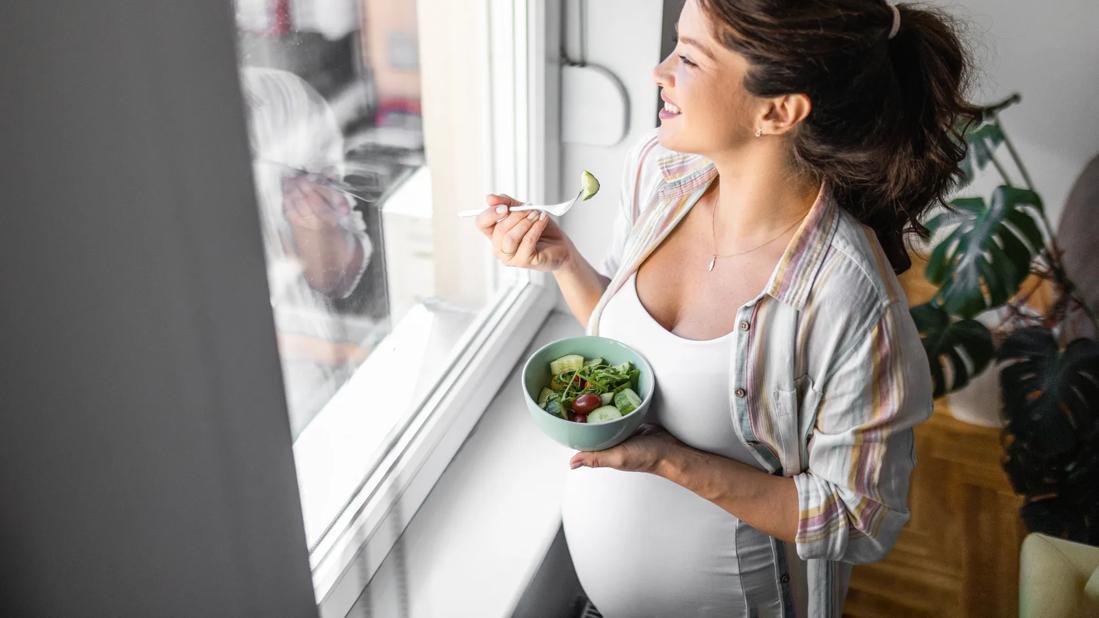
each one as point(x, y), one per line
point(371, 123)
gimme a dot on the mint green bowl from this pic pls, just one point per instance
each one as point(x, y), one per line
point(582, 436)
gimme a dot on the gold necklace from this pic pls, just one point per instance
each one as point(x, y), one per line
point(713, 260)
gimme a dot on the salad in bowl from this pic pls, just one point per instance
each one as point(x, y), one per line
point(589, 393)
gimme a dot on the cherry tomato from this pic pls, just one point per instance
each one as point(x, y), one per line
point(586, 403)
point(581, 418)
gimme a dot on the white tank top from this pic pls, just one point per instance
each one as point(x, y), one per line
point(692, 394)
point(645, 546)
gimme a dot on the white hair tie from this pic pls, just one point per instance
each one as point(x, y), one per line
point(896, 21)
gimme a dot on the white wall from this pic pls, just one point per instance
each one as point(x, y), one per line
point(1048, 52)
point(623, 36)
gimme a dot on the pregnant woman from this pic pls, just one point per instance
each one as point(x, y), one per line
point(754, 263)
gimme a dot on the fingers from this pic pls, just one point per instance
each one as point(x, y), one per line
point(584, 458)
point(514, 235)
point(496, 211)
point(293, 206)
point(319, 202)
point(340, 202)
point(608, 458)
point(300, 203)
point(487, 220)
point(526, 251)
point(509, 233)
point(646, 429)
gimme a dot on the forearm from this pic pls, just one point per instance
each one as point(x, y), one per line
point(764, 501)
point(580, 284)
point(349, 275)
point(326, 258)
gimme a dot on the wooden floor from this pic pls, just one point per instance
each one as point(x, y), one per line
point(959, 554)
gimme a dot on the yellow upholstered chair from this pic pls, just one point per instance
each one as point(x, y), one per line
point(1057, 578)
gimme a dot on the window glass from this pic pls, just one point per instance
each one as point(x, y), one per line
point(333, 100)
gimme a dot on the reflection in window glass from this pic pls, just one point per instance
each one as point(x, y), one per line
point(332, 90)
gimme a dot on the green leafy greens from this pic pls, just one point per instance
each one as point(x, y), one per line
point(600, 377)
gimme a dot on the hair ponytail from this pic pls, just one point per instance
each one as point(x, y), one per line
point(883, 129)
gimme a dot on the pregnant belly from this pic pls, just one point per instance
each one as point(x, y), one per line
point(644, 546)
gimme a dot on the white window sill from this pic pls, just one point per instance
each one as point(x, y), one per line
point(478, 539)
point(336, 450)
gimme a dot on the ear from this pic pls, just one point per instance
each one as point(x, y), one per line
point(783, 113)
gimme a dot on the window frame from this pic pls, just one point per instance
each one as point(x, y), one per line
point(521, 113)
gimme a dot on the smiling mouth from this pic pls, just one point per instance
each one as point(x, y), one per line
point(669, 109)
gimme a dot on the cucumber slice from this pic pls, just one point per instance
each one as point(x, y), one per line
point(554, 407)
point(569, 362)
point(589, 185)
point(593, 362)
point(544, 396)
point(604, 414)
point(626, 400)
point(607, 398)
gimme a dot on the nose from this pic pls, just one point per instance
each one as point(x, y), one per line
point(661, 75)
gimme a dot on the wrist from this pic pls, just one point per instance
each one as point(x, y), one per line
point(572, 256)
point(324, 256)
point(568, 262)
point(674, 463)
point(685, 466)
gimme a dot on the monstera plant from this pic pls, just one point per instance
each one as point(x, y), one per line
point(986, 249)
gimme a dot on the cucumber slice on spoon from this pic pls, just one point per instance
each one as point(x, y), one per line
point(589, 185)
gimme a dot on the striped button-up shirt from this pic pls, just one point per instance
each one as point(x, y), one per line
point(827, 373)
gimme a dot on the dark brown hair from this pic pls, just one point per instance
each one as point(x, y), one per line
point(883, 125)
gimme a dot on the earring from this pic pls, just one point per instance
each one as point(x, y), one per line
point(759, 132)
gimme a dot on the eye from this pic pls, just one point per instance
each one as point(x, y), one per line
point(687, 61)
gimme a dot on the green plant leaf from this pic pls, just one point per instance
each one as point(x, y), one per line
point(1065, 516)
point(1051, 441)
point(958, 349)
point(985, 257)
point(981, 141)
point(1051, 398)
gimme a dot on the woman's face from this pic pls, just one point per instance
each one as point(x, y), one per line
point(706, 108)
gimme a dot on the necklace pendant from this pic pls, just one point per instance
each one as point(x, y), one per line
point(711, 266)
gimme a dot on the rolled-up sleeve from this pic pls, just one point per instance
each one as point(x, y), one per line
point(853, 496)
point(355, 233)
point(352, 282)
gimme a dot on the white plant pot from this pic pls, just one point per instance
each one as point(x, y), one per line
point(980, 401)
